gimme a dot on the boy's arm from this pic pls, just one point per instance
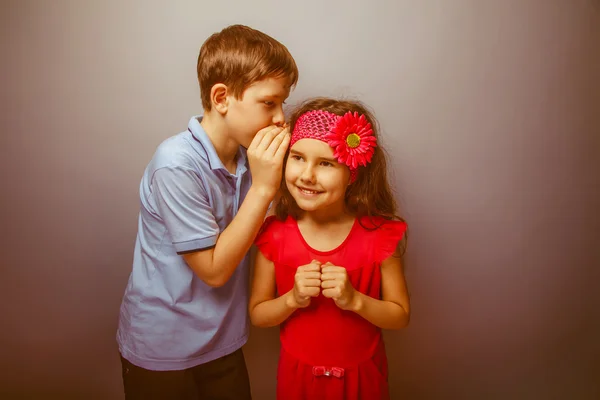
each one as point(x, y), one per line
point(265, 156)
point(216, 265)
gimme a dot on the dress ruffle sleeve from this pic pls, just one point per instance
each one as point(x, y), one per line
point(267, 238)
point(389, 235)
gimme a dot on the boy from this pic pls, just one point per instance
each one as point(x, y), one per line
point(183, 317)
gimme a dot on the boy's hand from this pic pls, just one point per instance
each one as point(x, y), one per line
point(307, 284)
point(337, 286)
point(265, 156)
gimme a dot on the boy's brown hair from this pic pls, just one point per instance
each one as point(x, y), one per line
point(239, 56)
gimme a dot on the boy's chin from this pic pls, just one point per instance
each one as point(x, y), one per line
point(245, 144)
point(242, 138)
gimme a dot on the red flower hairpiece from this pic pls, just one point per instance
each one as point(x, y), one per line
point(350, 136)
point(352, 140)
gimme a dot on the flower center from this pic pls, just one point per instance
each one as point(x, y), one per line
point(353, 140)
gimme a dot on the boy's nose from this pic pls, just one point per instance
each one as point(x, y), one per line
point(279, 118)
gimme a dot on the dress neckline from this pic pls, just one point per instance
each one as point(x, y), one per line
point(328, 252)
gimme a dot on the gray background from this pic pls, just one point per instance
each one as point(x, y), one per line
point(488, 109)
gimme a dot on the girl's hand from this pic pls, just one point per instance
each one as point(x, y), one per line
point(307, 284)
point(337, 286)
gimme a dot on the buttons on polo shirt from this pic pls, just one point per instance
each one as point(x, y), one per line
point(232, 180)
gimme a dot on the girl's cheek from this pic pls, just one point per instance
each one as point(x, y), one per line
point(290, 173)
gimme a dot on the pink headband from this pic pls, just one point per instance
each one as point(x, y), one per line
point(350, 136)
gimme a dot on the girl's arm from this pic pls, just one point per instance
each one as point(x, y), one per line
point(265, 308)
point(391, 312)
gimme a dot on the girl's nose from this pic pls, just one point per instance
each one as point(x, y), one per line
point(308, 175)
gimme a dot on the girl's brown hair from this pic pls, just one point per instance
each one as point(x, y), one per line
point(370, 195)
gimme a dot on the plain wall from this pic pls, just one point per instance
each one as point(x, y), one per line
point(489, 110)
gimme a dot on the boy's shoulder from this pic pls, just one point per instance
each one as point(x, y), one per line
point(181, 151)
point(175, 152)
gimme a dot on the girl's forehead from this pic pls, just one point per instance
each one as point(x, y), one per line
point(312, 147)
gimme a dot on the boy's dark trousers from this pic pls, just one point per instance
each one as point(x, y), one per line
point(225, 378)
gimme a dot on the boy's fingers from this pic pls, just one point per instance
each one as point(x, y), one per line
point(257, 139)
point(267, 139)
point(283, 146)
point(260, 136)
point(276, 143)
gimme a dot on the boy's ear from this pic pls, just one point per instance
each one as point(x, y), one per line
point(219, 98)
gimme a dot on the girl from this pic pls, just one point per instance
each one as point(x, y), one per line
point(329, 269)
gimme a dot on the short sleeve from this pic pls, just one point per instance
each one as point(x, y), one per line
point(389, 234)
point(266, 238)
point(182, 203)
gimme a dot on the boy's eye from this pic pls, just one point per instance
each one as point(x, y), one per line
point(269, 103)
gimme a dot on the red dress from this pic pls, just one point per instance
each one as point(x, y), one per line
point(328, 353)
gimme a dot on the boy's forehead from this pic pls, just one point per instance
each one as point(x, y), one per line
point(274, 87)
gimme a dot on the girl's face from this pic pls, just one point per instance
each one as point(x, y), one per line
point(314, 178)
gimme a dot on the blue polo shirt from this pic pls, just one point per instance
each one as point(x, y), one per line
point(170, 319)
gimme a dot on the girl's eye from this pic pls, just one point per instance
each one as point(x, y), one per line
point(326, 164)
point(296, 157)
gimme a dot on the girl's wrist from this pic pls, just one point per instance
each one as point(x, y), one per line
point(357, 302)
point(290, 300)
